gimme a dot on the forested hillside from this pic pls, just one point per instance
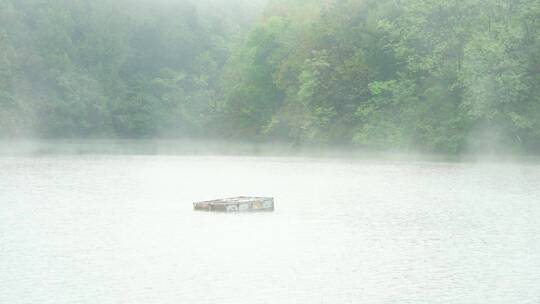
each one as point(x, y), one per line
point(102, 68)
point(443, 76)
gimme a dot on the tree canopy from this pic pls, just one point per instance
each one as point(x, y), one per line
point(440, 76)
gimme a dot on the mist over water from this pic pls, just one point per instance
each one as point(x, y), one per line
point(400, 140)
point(105, 228)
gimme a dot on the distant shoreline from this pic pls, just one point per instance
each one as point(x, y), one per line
point(193, 147)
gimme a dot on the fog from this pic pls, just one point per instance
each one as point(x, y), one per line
point(399, 141)
point(364, 75)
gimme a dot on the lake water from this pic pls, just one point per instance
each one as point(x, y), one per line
point(121, 229)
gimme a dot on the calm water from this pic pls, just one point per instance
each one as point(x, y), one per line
point(120, 229)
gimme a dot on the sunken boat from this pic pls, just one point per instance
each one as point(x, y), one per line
point(237, 204)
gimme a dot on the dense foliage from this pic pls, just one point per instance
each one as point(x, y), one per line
point(79, 68)
point(445, 76)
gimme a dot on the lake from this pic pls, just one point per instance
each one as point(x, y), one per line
point(121, 229)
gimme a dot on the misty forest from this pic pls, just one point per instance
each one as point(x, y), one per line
point(438, 76)
point(270, 151)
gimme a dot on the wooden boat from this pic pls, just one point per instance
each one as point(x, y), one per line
point(237, 204)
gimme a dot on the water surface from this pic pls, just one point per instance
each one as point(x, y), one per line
point(121, 229)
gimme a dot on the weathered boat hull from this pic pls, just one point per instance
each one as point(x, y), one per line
point(237, 204)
